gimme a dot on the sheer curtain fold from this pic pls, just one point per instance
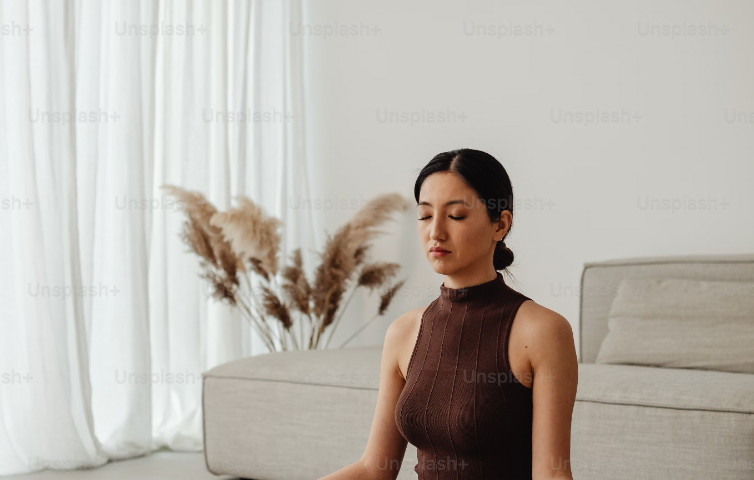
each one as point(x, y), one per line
point(106, 324)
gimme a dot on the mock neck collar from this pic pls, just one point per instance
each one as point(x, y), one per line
point(474, 291)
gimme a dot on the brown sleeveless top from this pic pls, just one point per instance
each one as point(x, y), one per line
point(462, 407)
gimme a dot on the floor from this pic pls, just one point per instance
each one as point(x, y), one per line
point(158, 466)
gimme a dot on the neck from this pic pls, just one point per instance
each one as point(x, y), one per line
point(475, 291)
point(464, 280)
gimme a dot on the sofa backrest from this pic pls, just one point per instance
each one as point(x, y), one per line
point(599, 285)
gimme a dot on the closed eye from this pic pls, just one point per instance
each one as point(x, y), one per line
point(451, 216)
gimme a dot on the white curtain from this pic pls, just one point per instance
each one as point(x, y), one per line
point(105, 326)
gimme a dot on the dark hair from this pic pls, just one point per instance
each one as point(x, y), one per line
point(487, 177)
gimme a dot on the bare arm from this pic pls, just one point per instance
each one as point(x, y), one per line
point(386, 447)
point(555, 367)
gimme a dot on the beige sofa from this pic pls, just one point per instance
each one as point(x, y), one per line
point(302, 415)
point(640, 422)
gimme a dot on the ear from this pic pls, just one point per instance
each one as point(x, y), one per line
point(503, 225)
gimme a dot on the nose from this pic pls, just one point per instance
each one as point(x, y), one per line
point(438, 230)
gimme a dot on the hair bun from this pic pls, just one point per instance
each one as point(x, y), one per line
point(503, 256)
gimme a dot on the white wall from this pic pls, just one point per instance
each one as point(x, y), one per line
point(677, 143)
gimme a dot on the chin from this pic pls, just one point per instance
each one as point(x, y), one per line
point(441, 267)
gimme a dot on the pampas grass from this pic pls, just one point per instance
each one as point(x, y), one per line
point(244, 241)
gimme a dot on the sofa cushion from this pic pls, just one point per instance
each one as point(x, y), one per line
point(681, 323)
point(293, 415)
point(346, 367)
point(600, 281)
point(676, 388)
point(632, 421)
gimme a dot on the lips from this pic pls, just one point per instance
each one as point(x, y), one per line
point(439, 250)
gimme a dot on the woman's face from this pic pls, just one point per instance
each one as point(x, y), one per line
point(453, 217)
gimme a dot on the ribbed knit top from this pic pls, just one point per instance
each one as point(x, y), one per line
point(462, 407)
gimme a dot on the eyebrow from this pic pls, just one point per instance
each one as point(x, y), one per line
point(452, 202)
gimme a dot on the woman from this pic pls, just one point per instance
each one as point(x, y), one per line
point(481, 396)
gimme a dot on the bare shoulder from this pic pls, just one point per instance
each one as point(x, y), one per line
point(407, 323)
point(401, 326)
point(532, 314)
point(402, 335)
point(543, 330)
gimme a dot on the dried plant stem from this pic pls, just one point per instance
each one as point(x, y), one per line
point(301, 329)
point(264, 321)
point(293, 339)
point(312, 323)
point(284, 334)
point(340, 315)
point(276, 288)
point(311, 334)
point(318, 333)
point(270, 335)
point(266, 329)
point(281, 333)
point(359, 330)
point(255, 321)
point(283, 338)
point(321, 320)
